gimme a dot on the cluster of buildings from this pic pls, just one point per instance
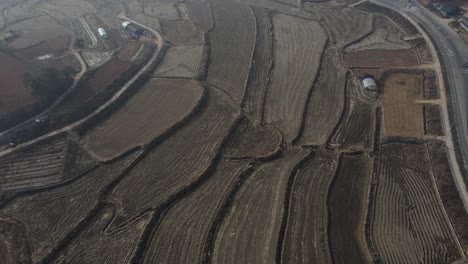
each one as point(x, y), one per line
point(136, 30)
point(446, 10)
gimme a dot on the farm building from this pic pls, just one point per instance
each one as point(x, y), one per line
point(135, 29)
point(446, 10)
point(464, 23)
point(102, 33)
point(369, 82)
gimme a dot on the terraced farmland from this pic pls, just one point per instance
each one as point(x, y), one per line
point(47, 217)
point(178, 161)
point(306, 236)
point(123, 129)
point(232, 42)
point(321, 118)
point(181, 62)
point(294, 71)
point(409, 223)
point(249, 231)
point(249, 138)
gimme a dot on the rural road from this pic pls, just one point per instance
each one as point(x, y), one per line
point(454, 52)
point(78, 76)
point(159, 42)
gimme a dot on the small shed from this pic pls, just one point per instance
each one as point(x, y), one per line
point(369, 83)
point(102, 33)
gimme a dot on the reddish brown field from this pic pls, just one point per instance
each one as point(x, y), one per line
point(129, 50)
point(381, 58)
point(55, 46)
point(13, 93)
point(100, 79)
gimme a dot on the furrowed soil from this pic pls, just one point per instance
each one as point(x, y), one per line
point(408, 223)
point(401, 115)
point(357, 129)
point(181, 32)
point(47, 217)
point(260, 69)
point(249, 232)
point(326, 102)
point(97, 245)
point(256, 143)
point(306, 238)
point(348, 201)
point(145, 116)
point(378, 58)
point(294, 72)
point(178, 161)
point(182, 234)
point(181, 61)
point(200, 14)
point(432, 120)
point(232, 42)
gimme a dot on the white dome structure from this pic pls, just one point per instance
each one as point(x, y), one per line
point(369, 83)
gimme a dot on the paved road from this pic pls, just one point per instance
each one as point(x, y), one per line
point(454, 53)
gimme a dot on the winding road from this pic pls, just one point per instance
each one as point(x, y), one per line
point(454, 52)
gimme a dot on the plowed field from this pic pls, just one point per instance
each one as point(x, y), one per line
point(231, 45)
point(145, 116)
point(382, 58)
point(294, 72)
point(181, 61)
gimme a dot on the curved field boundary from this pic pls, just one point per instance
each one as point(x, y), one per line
point(232, 44)
point(250, 230)
point(296, 66)
point(346, 24)
point(409, 224)
point(176, 162)
point(49, 216)
point(262, 65)
point(182, 233)
point(306, 237)
point(181, 62)
point(249, 142)
point(158, 106)
point(326, 102)
point(95, 244)
point(201, 15)
point(356, 129)
point(348, 202)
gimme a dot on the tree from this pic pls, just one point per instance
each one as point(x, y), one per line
point(49, 83)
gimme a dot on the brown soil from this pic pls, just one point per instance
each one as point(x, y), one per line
point(129, 50)
point(56, 46)
point(431, 91)
point(381, 58)
point(13, 94)
point(401, 116)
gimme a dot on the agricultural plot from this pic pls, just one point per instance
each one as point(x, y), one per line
point(178, 161)
point(54, 47)
point(356, 130)
point(161, 11)
point(158, 106)
point(77, 161)
point(386, 36)
point(181, 62)
point(348, 209)
point(181, 32)
point(151, 22)
point(256, 143)
point(260, 70)
point(64, 10)
point(232, 42)
point(200, 15)
point(47, 217)
point(182, 234)
point(294, 72)
point(306, 237)
point(249, 232)
point(432, 120)
point(14, 94)
point(409, 224)
point(13, 243)
point(381, 58)
point(98, 244)
point(401, 115)
point(33, 168)
point(346, 24)
point(36, 30)
point(94, 58)
point(326, 102)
